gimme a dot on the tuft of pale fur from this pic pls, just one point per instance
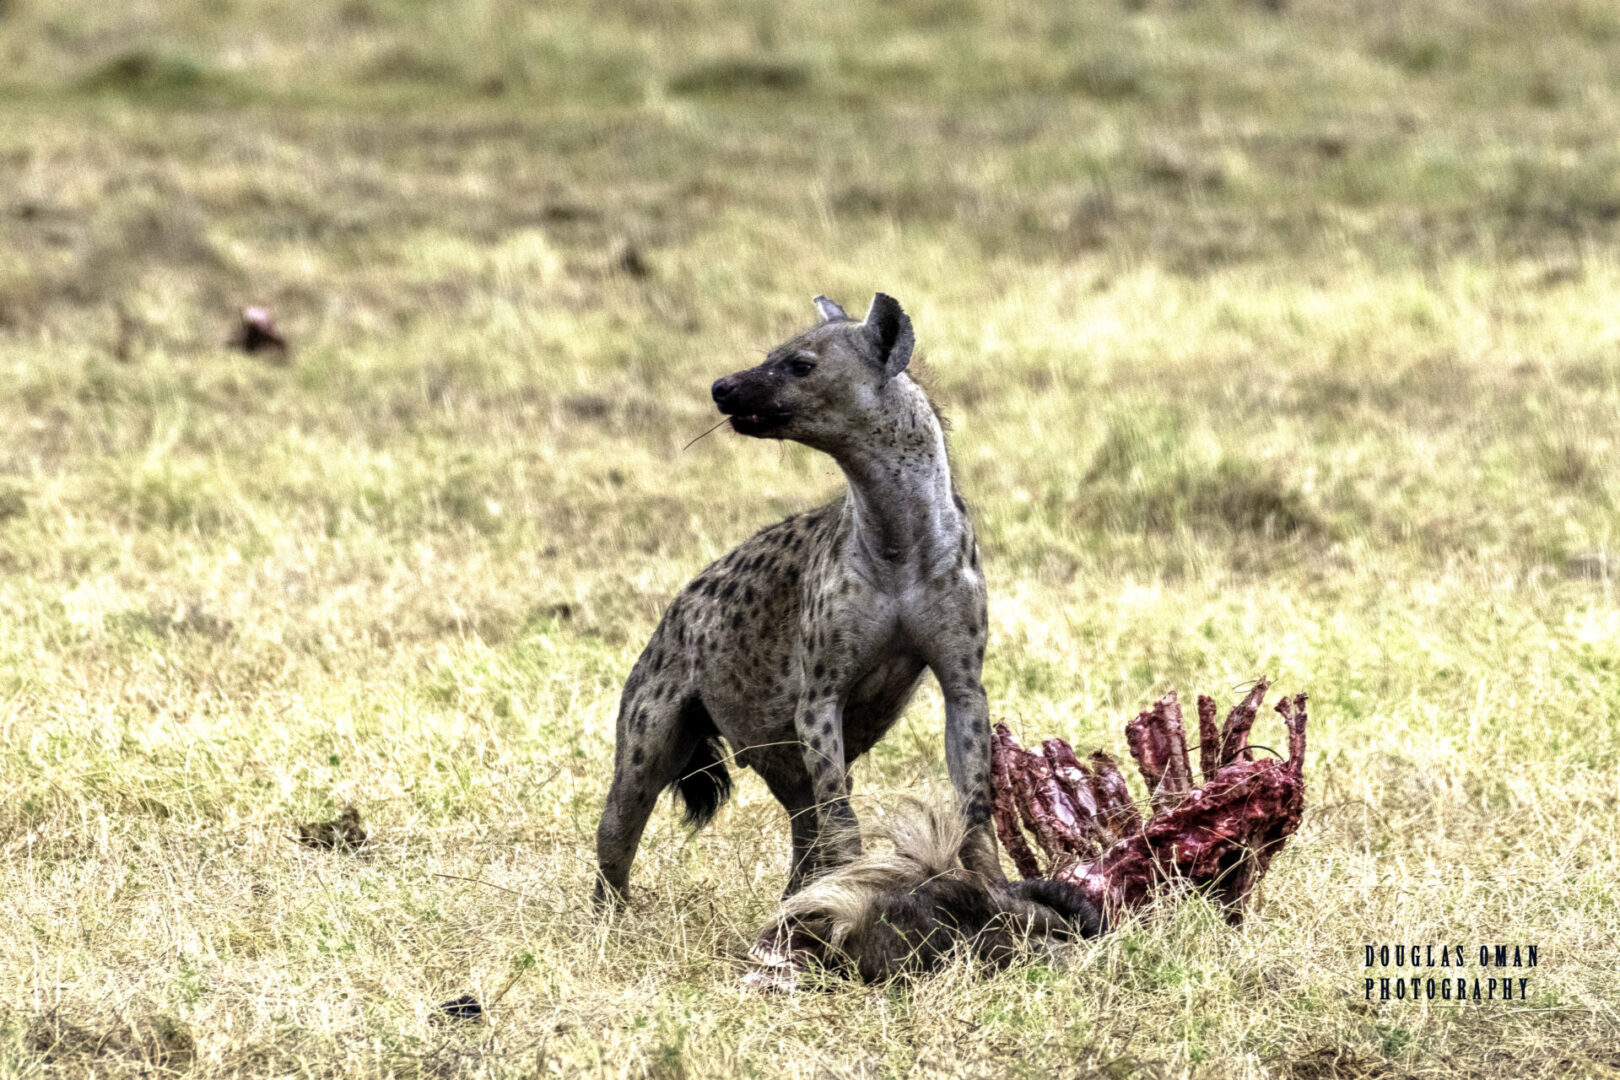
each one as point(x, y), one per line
point(908, 905)
point(923, 842)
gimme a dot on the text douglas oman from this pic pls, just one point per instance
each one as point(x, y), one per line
point(1451, 985)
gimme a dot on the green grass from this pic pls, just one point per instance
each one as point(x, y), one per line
point(1275, 338)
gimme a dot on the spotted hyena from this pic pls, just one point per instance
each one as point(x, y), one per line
point(801, 647)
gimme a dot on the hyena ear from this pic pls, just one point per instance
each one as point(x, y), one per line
point(829, 310)
point(888, 331)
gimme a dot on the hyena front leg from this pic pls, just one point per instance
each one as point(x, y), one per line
point(820, 725)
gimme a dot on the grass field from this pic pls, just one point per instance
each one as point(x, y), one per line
point(1276, 338)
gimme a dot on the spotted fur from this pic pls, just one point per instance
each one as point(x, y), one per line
point(800, 648)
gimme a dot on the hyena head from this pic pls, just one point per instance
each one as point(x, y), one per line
point(825, 386)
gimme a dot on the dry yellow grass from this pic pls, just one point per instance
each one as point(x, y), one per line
point(1274, 341)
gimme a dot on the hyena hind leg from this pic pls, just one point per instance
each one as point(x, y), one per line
point(663, 742)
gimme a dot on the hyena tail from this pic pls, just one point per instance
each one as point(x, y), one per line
point(704, 782)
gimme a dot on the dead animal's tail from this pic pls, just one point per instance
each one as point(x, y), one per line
point(704, 782)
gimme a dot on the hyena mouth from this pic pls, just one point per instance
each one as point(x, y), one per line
point(760, 423)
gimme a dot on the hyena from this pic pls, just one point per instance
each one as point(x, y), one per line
point(802, 647)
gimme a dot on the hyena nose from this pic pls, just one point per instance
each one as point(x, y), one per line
point(723, 390)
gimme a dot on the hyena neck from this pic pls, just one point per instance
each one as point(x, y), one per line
point(901, 503)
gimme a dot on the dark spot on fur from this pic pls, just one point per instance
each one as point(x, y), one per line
point(636, 756)
point(736, 621)
point(961, 506)
point(821, 669)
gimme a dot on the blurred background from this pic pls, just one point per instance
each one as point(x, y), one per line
point(1132, 230)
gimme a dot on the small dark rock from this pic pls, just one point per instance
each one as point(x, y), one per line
point(465, 1007)
point(633, 262)
point(1332, 146)
point(343, 833)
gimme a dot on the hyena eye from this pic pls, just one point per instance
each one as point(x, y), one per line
point(801, 366)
